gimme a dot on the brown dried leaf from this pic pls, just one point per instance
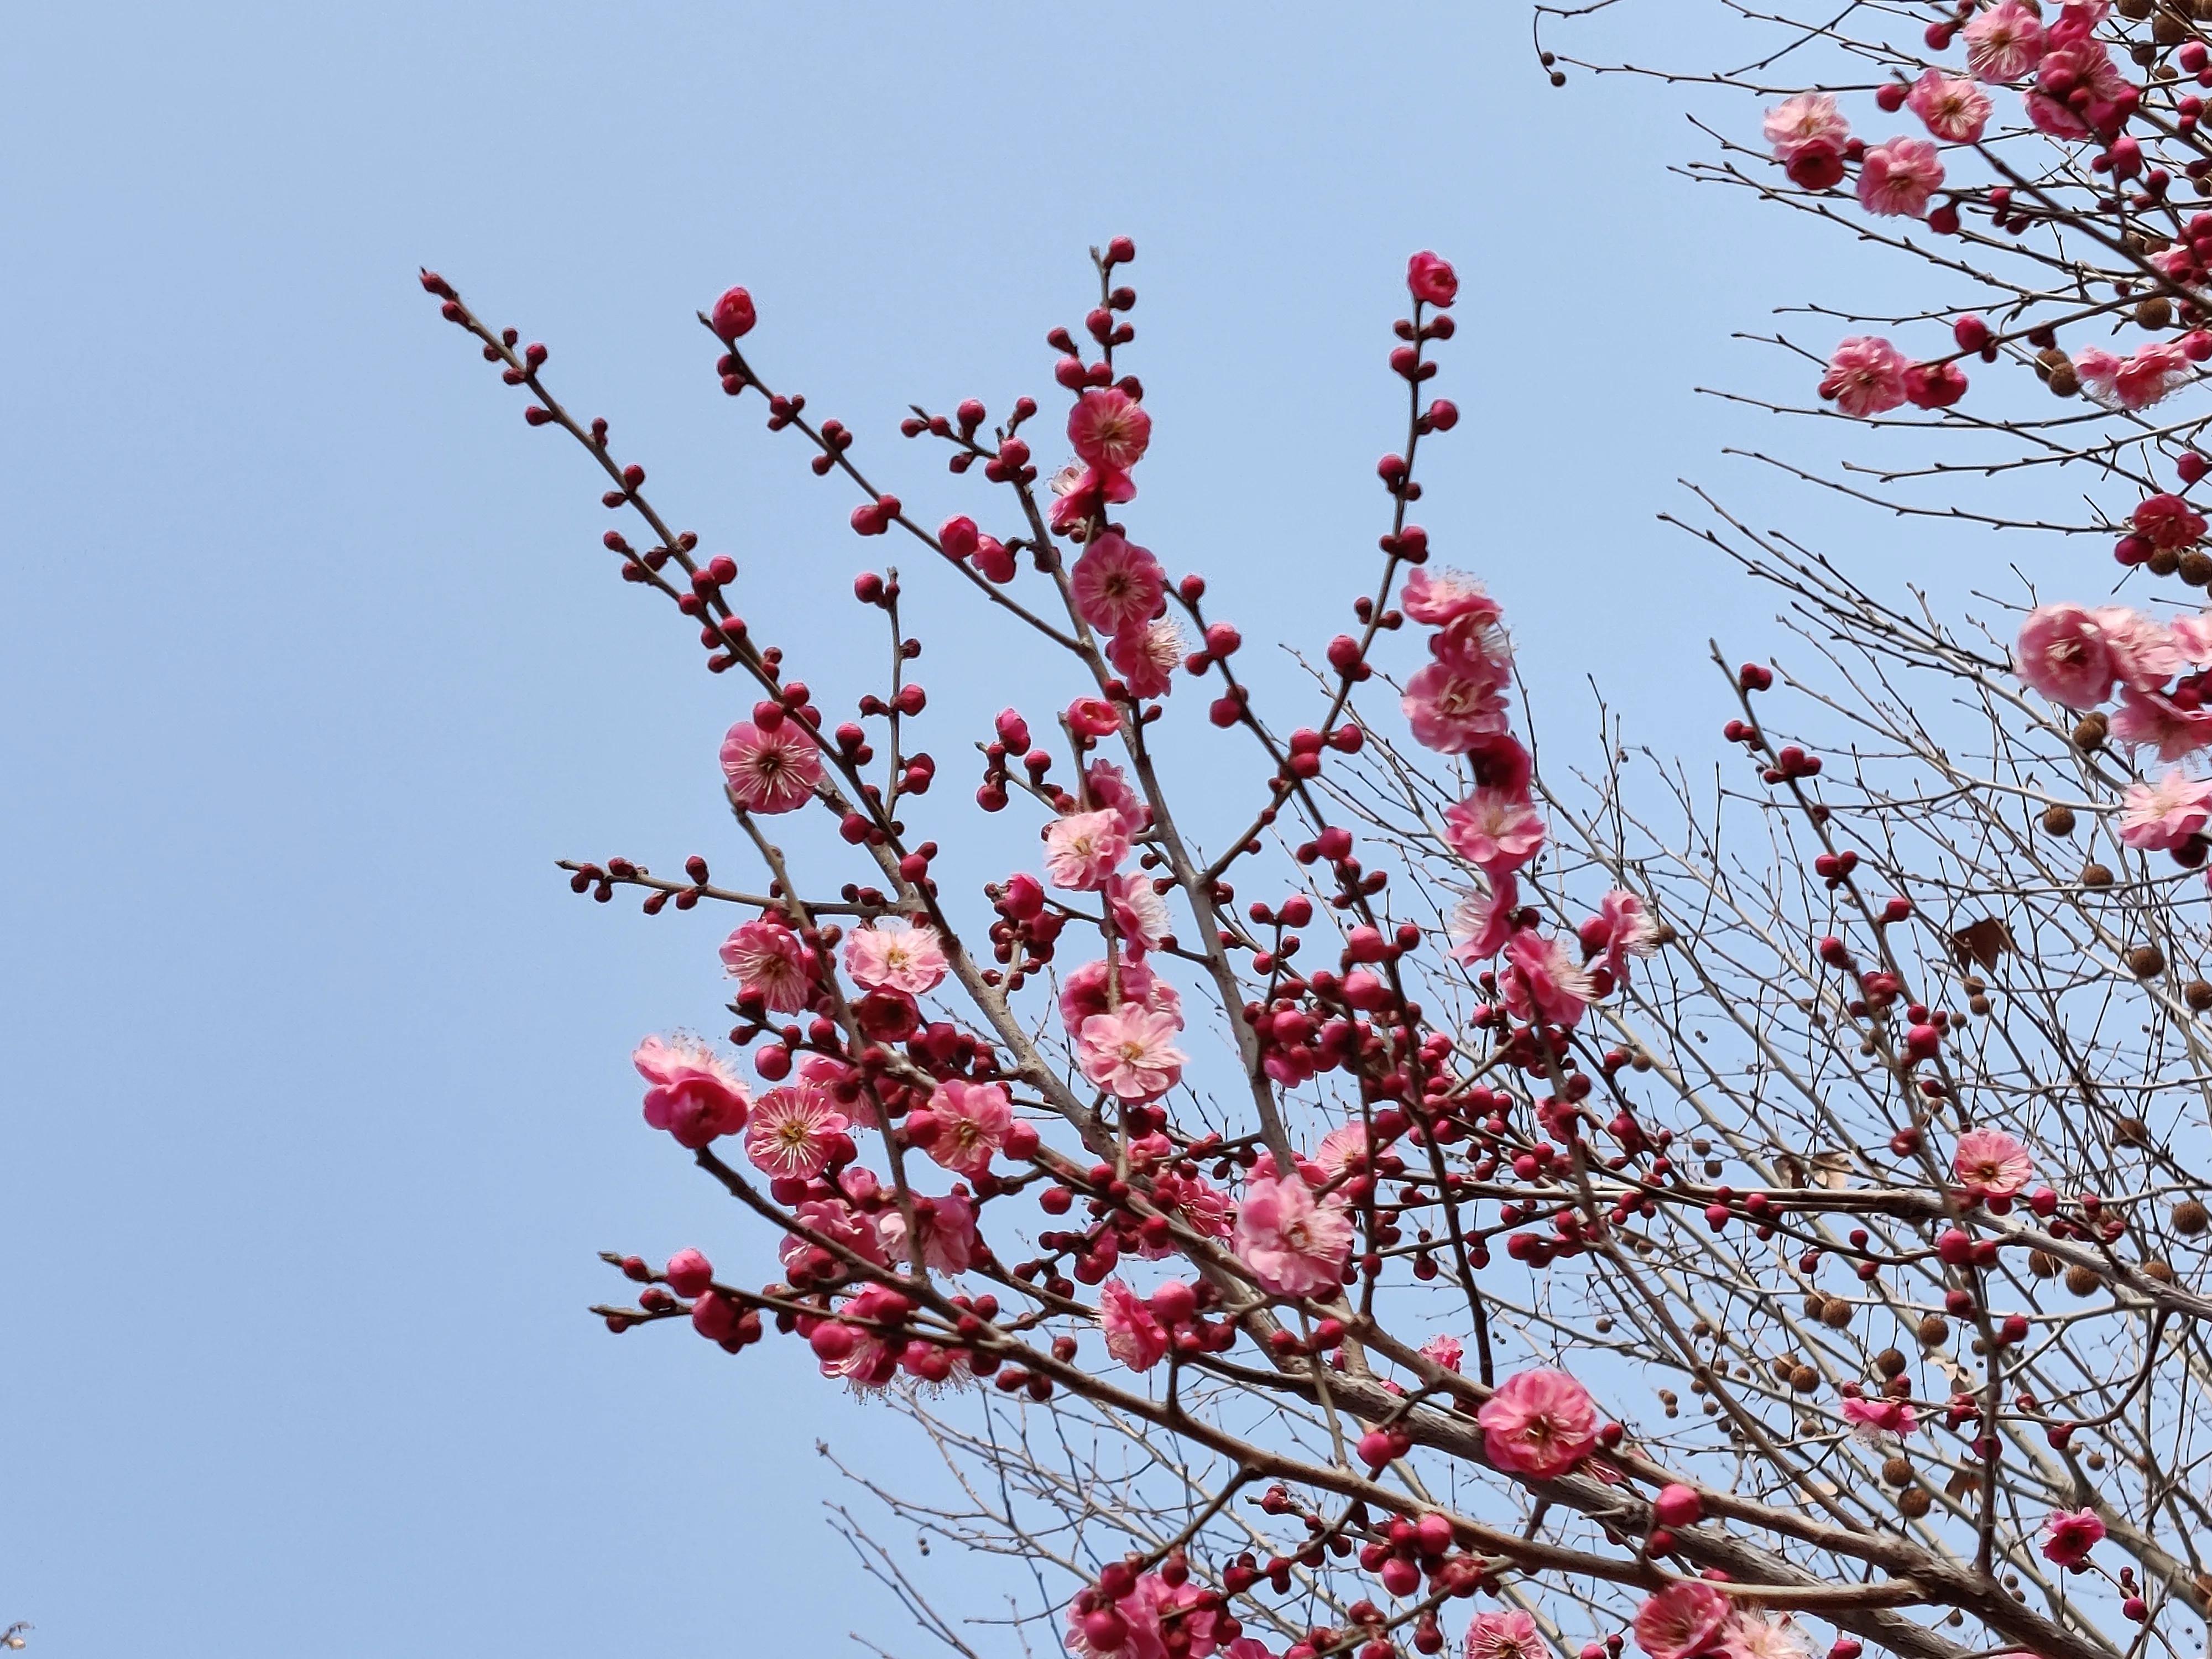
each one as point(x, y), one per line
point(1981, 942)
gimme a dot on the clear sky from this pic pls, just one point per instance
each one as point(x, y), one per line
point(313, 1077)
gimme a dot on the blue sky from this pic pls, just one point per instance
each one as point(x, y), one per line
point(317, 1096)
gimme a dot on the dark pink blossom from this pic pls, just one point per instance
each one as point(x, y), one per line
point(1540, 1423)
point(1133, 1336)
point(1109, 429)
point(1683, 1620)
point(1432, 280)
point(2069, 1535)
point(1866, 376)
point(1117, 585)
point(691, 1092)
point(770, 771)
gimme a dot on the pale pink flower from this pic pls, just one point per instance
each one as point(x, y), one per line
point(2192, 637)
point(692, 1092)
point(969, 1121)
point(2132, 382)
point(1881, 1420)
point(1130, 1052)
point(1294, 1244)
point(1476, 646)
point(1451, 710)
point(1110, 791)
point(2159, 816)
point(1496, 830)
point(1148, 1610)
point(895, 956)
point(1809, 117)
point(770, 771)
point(1433, 598)
point(1117, 584)
point(1990, 1164)
point(1683, 1620)
point(1083, 848)
point(2149, 718)
point(1543, 981)
point(1506, 1633)
point(2069, 1535)
point(793, 1130)
point(1898, 177)
point(2004, 43)
point(1140, 914)
point(1109, 429)
point(1084, 992)
point(1444, 1350)
point(1866, 376)
point(1339, 1147)
point(1146, 655)
point(1539, 1424)
point(949, 1240)
point(1755, 1636)
point(2063, 654)
point(2144, 653)
point(1133, 1336)
point(1954, 110)
point(1481, 922)
point(768, 960)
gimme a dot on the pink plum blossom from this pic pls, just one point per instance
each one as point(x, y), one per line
point(1539, 1424)
point(1110, 791)
point(1881, 1420)
point(1990, 1164)
point(692, 1092)
point(968, 1124)
point(2004, 42)
point(1109, 429)
point(2144, 653)
point(1117, 585)
point(2137, 381)
point(1621, 928)
point(1130, 1052)
point(793, 1130)
point(949, 1241)
point(2064, 70)
point(2063, 654)
point(1897, 178)
point(1294, 1244)
point(895, 956)
point(1197, 1203)
point(2192, 638)
point(1543, 981)
point(770, 771)
point(835, 1219)
point(1481, 922)
point(1147, 1613)
point(1954, 110)
point(2069, 1535)
point(1683, 1620)
point(2176, 729)
point(1140, 914)
point(2159, 816)
point(1496, 830)
point(1451, 710)
point(769, 961)
point(1145, 656)
point(1084, 992)
point(1133, 1336)
point(1431, 278)
point(1809, 117)
point(1086, 492)
point(1505, 1633)
point(1866, 376)
point(1433, 598)
point(1757, 1635)
point(1083, 848)
point(1444, 1350)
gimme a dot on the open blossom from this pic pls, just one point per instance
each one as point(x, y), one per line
point(949, 1239)
point(1683, 1620)
point(1083, 848)
point(1339, 1147)
point(1293, 1243)
point(770, 771)
point(1133, 1336)
point(1444, 1350)
point(1756, 1636)
point(1130, 1052)
point(769, 961)
point(1433, 598)
point(1146, 655)
point(1543, 980)
point(1084, 992)
point(1109, 429)
point(1086, 492)
point(2004, 42)
point(1506, 1633)
point(1496, 830)
point(2137, 381)
point(967, 1123)
point(1110, 791)
point(1149, 1611)
point(1899, 176)
point(895, 956)
point(1954, 110)
point(1140, 914)
point(2069, 1535)
point(2064, 70)
point(793, 1130)
point(2174, 729)
point(1196, 1201)
point(1117, 584)
point(1480, 923)
point(1451, 710)
point(2159, 816)
point(1539, 1424)
point(2145, 653)
point(1866, 376)
point(835, 1219)
point(2192, 638)
point(2063, 653)
point(1991, 1163)
point(1809, 117)
point(1621, 928)
point(1880, 1419)
point(2166, 520)
point(692, 1091)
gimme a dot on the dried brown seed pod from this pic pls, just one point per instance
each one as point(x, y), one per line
point(2083, 1281)
point(2058, 818)
point(2043, 1264)
point(1914, 1502)
point(1805, 1380)
point(1837, 1315)
point(2145, 961)
point(1890, 1362)
point(2189, 1217)
point(2091, 731)
point(1897, 1472)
